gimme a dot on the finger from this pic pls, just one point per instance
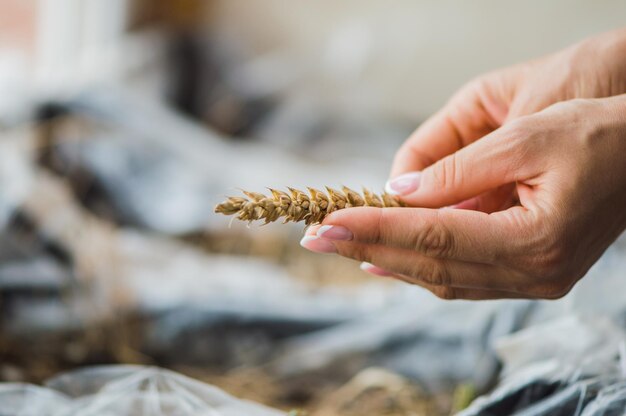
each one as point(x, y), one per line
point(500, 158)
point(446, 292)
point(477, 109)
point(312, 230)
point(443, 233)
point(500, 199)
point(452, 293)
point(436, 272)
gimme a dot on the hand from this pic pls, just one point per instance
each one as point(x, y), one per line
point(594, 68)
point(566, 164)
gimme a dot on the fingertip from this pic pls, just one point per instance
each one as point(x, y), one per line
point(312, 230)
point(388, 188)
point(335, 232)
point(404, 184)
point(318, 245)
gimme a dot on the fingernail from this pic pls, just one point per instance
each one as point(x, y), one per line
point(403, 184)
point(312, 230)
point(370, 268)
point(334, 232)
point(317, 245)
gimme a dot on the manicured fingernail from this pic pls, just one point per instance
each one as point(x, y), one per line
point(317, 245)
point(312, 230)
point(334, 232)
point(403, 184)
point(370, 268)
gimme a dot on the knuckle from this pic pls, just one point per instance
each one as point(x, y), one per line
point(551, 276)
point(548, 265)
point(517, 128)
point(477, 85)
point(521, 144)
point(551, 263)
point(555, 261)
point(519, 132)
point(434, 273)
point(434, 240)
point(446, 173)
point(578, 106)
point(529, 137)
point(547, 250)
point(479, 82)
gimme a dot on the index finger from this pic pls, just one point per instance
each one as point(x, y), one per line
point(476, 110)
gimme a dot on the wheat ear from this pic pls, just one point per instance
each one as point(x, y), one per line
point(297, 205)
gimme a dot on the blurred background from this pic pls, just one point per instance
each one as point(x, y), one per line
point(122, 124)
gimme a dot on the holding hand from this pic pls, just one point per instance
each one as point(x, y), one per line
point(536, 161)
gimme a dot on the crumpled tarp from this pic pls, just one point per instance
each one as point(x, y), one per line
point(184, 292)
point(124, 391)
point(160, 171)
point(573, 366)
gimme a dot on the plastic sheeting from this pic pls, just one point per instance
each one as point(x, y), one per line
point(421, 337)
point(124, 391)
point(163, 172)
point(30, 400)
point(610, 401)
point(15, 173)
point(185, 291)
point(569, 367)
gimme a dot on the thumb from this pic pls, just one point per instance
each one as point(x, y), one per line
point(495, 160)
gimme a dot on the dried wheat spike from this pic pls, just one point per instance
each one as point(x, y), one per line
point(297, 205)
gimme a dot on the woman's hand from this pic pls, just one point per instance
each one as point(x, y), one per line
point(568, 168)
point(594, 68)
point(542, 185)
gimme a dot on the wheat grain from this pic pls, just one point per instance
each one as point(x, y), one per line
point(297, 205)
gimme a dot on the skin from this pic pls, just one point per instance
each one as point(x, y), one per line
point(518, 183)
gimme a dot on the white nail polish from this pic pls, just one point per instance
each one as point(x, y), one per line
point(403, 184)
point(308, 238)
point(389, 190)
point(365, 266)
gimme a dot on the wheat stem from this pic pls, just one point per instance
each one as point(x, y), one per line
point(297, 205)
